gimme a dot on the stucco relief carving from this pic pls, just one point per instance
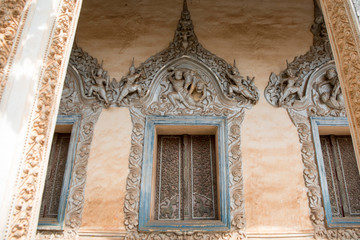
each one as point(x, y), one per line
point(185, 43)
point(346, 42)
point(134, 87)
point(185, 79)
point(73, 103)
point(310, 87)
point(132, 197)
point(180, 86)
point(287, 89)
point(186, 86)
point(21, 223)
point(318, 93)
point(10, 15)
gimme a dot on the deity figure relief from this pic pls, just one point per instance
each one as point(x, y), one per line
point(239, 86)
point(333, 97)
point(292, 90)
point(100, 84)
point(189, 88)
point(130, 86)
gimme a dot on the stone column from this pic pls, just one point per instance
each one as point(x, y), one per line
point(343, 29)
point(35, 49)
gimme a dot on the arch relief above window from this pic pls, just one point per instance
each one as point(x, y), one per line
point(309, 88)
point(181, 81)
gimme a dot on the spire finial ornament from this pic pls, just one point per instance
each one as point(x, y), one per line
point(185, 38)
point(185, 8)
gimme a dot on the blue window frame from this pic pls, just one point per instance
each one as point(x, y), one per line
point(153, 124)
point(331, 126)
point(71, 122)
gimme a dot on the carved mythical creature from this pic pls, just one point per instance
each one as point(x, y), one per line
point(332, 97)
point(292, 90)
point(239, 87)
point(99, 86)
point(168, 208)
point(203, 208)
point(130, 85)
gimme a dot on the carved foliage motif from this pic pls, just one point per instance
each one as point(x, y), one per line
point(217, 88)
point(73, 102)
point(236, 182)
point(135, 85)
point(185, 44)
point(319, 93)
point(345, 37)
point(10, 14)
point(312, 182)
point(310, 87)
point(186, 87)
point(22, 220)
point(288, 88)
point(182, 80)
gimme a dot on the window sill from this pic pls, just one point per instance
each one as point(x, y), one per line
point(344, 222)
point(185, 226)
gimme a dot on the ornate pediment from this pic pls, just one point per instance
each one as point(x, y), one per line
point(310, 81)
point(205, 74)
point(318, 92)
point(309, 87)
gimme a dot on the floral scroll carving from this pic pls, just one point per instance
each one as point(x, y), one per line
point(22, 221)
point(173, 82)
point(208, 86)
point(74, 103)
point(346, 42)
point(185, 79)
point(10, 15)
point(310, 87)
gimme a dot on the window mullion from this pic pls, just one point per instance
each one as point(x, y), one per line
point(187, 180)
point(337, 161)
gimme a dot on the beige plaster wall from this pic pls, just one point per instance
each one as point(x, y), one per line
point(107, 171)
point(260, 35)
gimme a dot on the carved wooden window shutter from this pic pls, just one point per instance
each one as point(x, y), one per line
point(58, 177)
point(186, 178)
point(55, 175)
point(342, 175)
point(338, 171)
point(184, 184)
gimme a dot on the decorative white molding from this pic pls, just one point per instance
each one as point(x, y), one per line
point(356, 7)
point(344, 38)
point(22, 222)
point(167, 80)
point(12, 19)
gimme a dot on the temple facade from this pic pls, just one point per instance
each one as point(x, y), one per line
point(179, 119)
